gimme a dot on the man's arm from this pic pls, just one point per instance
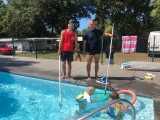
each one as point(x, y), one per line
point(60, 42)
point(107, 35)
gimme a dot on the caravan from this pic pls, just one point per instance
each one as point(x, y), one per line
point(154, 43)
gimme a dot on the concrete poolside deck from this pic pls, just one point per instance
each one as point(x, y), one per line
point(119, 79)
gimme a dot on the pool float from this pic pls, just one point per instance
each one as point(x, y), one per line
point(79, 97)
point(149, 76)
point(134, 97)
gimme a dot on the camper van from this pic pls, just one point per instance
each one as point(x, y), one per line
point(154, 43)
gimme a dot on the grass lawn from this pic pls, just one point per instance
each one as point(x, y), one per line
point(47, 55)
point(118, 57)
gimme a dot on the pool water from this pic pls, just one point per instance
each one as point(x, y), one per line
point(28, 98)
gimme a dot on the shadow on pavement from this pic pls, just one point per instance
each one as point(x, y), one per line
point(12, 62)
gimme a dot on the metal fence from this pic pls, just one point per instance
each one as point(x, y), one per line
point(142, 51)
point(47, 48)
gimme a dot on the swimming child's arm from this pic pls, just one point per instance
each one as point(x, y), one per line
point(122, 107)
point(91, 101)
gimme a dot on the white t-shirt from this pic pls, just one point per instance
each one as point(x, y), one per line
point(87, 97)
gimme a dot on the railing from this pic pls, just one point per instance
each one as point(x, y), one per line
point(107, 105)
point(48, 47)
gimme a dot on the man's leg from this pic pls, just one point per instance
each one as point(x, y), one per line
point(69, 70)
point(63, 69)
point(96, 59)
point(63, 59)
point(89, 61)
point(69, 61)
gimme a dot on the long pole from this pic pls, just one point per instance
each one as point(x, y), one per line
point(153, 49)
point(60, 89)
point(36, 48)
point(109, 59)
point(102, 50)
point(14, 52)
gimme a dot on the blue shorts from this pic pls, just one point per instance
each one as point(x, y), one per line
point(67, 56)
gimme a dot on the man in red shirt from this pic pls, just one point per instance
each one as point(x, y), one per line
point(68, 39)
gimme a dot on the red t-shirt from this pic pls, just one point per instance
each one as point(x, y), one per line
point(68, 41)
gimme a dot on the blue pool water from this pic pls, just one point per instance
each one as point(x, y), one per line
point(27, 98)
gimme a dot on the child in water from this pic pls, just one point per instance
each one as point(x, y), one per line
point(114, 109)
point(88, 93)
point(85, 98)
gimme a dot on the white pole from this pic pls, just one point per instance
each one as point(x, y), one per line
point(109, 58)
point(60, 89)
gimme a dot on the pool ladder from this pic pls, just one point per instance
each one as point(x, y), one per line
point(109, 104)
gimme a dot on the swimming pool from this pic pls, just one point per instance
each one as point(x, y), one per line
point(28, 98)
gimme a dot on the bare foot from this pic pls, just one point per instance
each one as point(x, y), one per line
point(70, 77)
point(89, 78)
point(63, 76)
point(96, 77)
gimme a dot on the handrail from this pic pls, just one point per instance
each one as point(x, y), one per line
point(107, 105)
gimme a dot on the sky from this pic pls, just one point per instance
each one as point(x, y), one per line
point(83, 22)
point(5, 1)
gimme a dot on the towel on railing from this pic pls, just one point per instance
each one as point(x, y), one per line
point(129, 44)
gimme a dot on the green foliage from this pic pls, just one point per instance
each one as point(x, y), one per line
point(38, 18)
point(57, 13)
point(156, 13)
point(28, 18)
point(130, 17)
point(2, 12)
point(81, 33)
point(22, 19)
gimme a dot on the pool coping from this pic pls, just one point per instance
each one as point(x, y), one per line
point(74, 82)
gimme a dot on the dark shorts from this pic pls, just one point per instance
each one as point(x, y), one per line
point(93, 52)
point(67, 56)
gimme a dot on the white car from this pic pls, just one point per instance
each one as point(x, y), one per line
point(154, 43)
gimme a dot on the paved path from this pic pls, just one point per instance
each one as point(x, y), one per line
point(119, 79)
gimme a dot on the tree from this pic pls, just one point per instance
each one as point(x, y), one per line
point(130, 17)
point(82, 32)
point(156, 13)
point(38, 18)
point(34, 18)
point(2, 12)
point(57, 13)
point(22, 19)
